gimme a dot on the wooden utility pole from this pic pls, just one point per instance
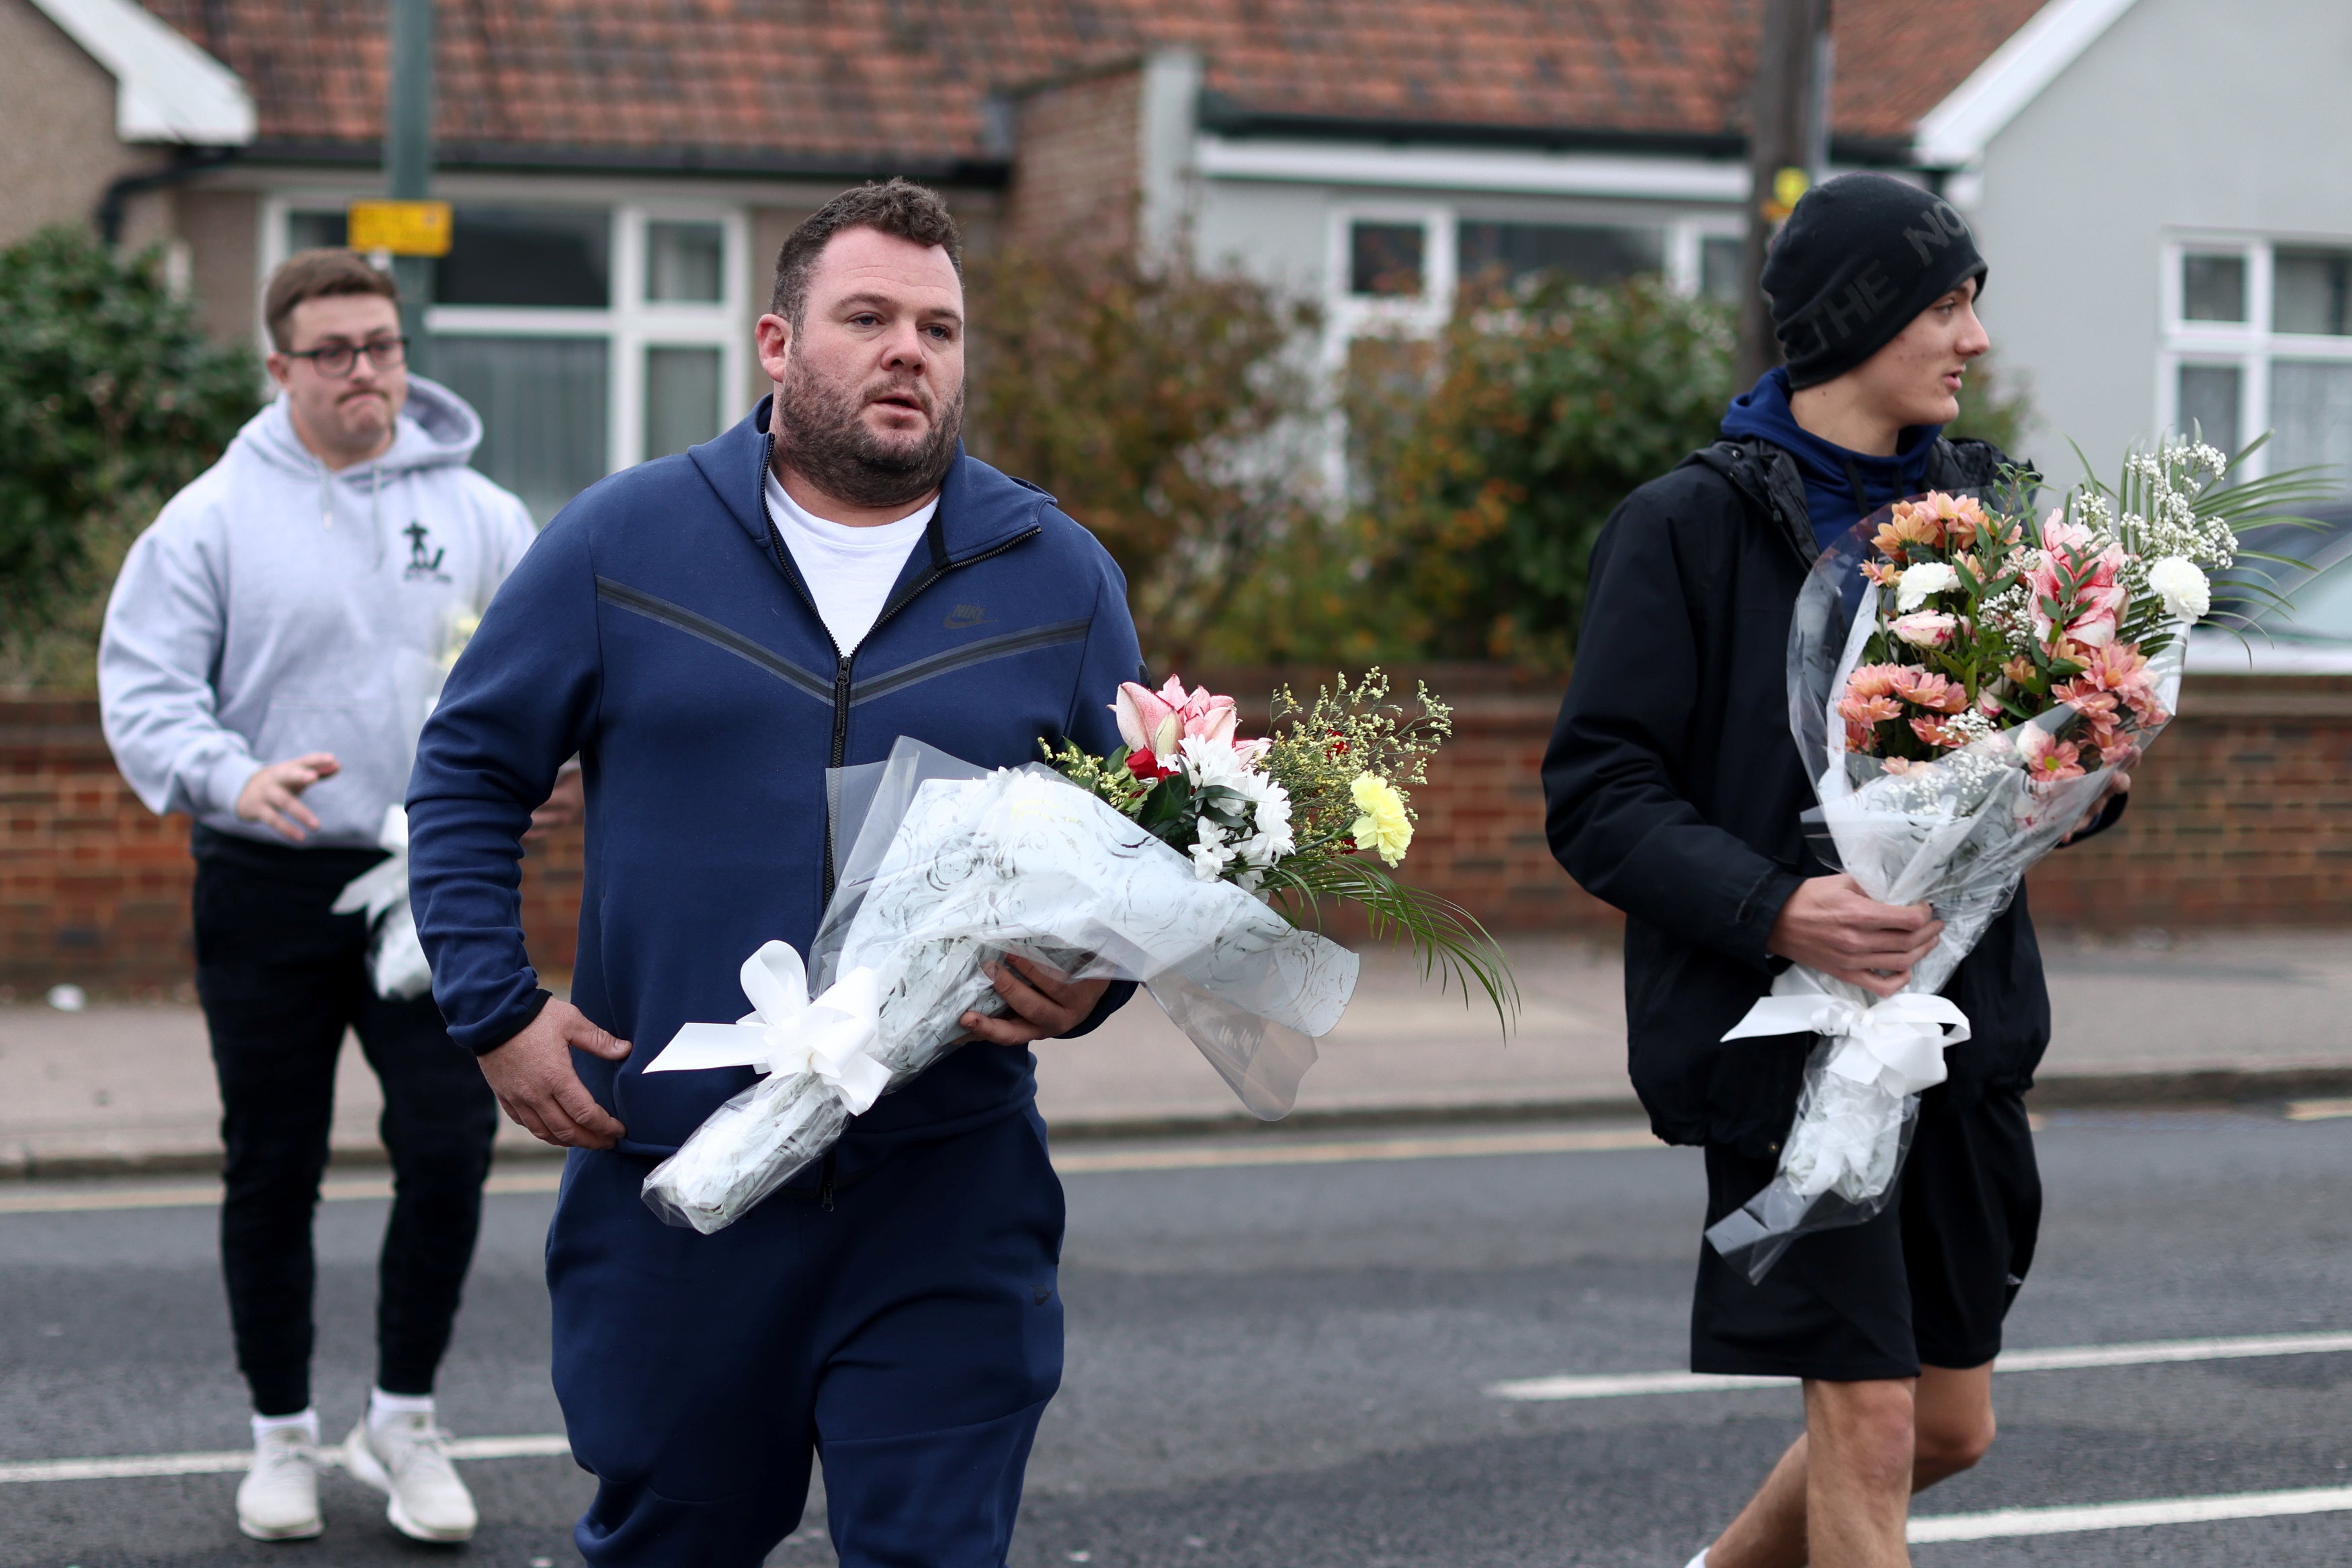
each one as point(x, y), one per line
point(1788, 149)
point(408, 156)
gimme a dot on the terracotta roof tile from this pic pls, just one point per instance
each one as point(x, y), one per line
point(903, 83)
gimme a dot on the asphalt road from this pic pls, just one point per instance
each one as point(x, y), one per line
point(1287, 1366)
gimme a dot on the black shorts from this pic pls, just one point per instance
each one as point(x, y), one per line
point(1928, 1281)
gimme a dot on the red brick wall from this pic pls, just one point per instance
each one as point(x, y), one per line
point(2240, 815)
point(94, 886)
point(1076, 174)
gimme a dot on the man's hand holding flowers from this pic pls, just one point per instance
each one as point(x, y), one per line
point(1045, 1006)
point(1829, 924)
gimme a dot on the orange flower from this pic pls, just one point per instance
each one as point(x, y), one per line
point(2048, 759)
point(2105, 731)
point(1939, 733)
point(1911, 526)
point(2114, 667)
point(1881, 572)
point(1930, 691)
point(1875, 680)
point(1860, 737)
point(1869, 710)
point(1959, 517)
point(2019, 670)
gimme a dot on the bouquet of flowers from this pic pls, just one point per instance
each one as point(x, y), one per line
point(1297, 815)
point(1097, 867)
point(1965, 684)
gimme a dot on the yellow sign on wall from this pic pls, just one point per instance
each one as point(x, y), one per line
point(402, 228)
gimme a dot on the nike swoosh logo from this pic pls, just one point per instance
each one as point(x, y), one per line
point(964, 615)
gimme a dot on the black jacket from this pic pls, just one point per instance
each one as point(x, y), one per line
point(1674, 790)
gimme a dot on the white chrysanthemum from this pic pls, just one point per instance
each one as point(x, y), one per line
point(1214, 762)
point(2183, 587)
point(1210, 855)
point(1919, 583)
point(1208, 763)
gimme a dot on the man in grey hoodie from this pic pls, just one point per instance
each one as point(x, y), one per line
point(269, 650)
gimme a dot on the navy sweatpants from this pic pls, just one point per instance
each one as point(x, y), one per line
point(909, 1335)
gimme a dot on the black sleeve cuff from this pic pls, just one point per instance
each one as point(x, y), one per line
point(2109, 815)
point(499, 1030)
point(1119, 993)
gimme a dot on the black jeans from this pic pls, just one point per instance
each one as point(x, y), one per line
point(280, 980)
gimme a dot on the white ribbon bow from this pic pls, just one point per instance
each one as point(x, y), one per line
point(1897, 1042)
point(397, 962)
point(385, 883)
point(833, 1037)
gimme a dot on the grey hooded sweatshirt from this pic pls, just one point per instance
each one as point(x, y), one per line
point(278, 607)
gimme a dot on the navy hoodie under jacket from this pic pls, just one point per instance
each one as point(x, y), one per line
point(659, 630)
point(1842, 486)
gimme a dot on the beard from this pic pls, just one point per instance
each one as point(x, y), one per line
point(820, 431)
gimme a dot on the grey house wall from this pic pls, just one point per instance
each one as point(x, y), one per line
point(2186, 116)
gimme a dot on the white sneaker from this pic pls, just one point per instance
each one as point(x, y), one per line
point(278, 1499)
point(407, 1459)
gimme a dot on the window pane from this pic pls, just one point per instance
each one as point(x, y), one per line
point(312, 231)
point(2311, 416)
point(2209, 405)
point(552, 257)
point(682, 263)
point(1507, 253)
point(2213, 289)
point(1385, 258)
point(682, 399)
point(2308, 290)
point(542, 405)
point(1720, 260)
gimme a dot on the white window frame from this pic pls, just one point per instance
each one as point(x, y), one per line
point(1353, 315)
point(629, 326)
point(1349, 315)
point(2249, 345)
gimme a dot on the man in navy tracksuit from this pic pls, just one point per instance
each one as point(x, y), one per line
point(709, 633)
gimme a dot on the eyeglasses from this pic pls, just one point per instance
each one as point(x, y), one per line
point(337, 361)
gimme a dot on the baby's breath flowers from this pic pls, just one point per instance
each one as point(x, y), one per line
point(1317, 809)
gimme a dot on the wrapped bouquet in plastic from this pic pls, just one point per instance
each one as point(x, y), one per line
point(1183, 861)
point(1965, 682)
point(397, 967)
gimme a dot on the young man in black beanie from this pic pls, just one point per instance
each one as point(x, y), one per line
point(1674, 792)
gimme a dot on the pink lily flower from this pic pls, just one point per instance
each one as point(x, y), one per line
point(2087, 585)
point(1155, 724)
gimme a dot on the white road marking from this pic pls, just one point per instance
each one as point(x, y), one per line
point(205, 1195)
point(1080, 1161)
point(1226, 1156)
point(2065, 1358)
point(234, 1461)
point(2317, 1110)
point(2001, 1522)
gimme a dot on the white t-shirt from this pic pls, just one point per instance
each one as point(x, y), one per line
point(849, 572)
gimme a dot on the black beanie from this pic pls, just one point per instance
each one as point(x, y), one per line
point(1859, 258)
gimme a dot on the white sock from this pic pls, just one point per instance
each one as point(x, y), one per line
point(307, 1420)
point(382, 1407)
point(1697, 1561)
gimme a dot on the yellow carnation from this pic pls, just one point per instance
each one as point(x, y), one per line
point(1383, 828)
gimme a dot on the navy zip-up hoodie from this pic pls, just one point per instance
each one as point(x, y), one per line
point(659, 630)
point(1842, 486)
